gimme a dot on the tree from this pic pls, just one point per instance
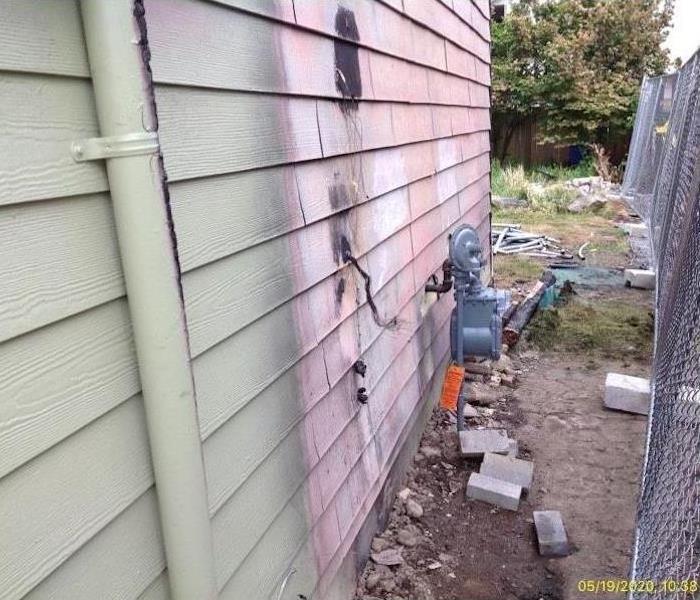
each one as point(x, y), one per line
point(575, 66)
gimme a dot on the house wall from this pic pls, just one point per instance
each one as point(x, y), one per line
point(275, 176)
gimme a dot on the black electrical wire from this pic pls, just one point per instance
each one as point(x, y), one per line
point(391, 323)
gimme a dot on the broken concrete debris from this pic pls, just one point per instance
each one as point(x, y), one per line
point(592, 193)
point(388, 557)
point(640, 278)
point(430, 452)
point(494, 491)
point(379, 544)
point(587, 202)
point(413, 509)
point(380, 573)
point(470, 412)
point(505, 468)
point(508, 380)
point(551, 535)
point(408, 536)
point(404, 494)
point(627, 393)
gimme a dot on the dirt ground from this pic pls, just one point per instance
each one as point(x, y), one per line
point(587, 465)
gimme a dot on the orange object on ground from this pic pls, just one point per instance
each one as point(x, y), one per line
point(454, 376)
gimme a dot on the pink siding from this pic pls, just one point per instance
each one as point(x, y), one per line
point(275, 175)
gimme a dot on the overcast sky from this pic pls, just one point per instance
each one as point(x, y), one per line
point(684, 39)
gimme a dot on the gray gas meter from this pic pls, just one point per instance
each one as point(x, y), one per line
point(475, 327)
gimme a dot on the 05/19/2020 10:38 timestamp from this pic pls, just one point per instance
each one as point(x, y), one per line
point(641, 586)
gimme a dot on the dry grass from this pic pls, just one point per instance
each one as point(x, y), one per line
point(605, 327)
point(509, 270)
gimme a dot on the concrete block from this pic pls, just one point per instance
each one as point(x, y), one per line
point(512, 448)
point(505, 468)
point(494, 491)
point(551, 535)
point(627, 393)
point(475, 442)
point(639, 278)
point(634, 229)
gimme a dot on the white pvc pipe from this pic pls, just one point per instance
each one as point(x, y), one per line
point(123, 95)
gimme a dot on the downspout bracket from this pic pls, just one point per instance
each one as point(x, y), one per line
point(130, 144)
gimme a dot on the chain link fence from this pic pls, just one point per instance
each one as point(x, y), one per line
point(663, 183)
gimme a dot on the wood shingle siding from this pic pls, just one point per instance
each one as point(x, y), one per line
point(275, 176)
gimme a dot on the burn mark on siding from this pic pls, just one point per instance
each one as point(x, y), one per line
point(348, 80)
point(150, 123)
point(341, 244)
point(139, 13)
point(338, 195)
point(340, 201)
point(345, 24)
point(339, 291)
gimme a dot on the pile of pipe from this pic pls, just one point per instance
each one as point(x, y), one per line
point(509, 238)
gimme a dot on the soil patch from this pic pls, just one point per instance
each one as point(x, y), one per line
point(587, 465)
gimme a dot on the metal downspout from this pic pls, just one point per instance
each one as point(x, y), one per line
point(126, 116)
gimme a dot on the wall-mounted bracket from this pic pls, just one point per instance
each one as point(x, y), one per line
point(130, 144)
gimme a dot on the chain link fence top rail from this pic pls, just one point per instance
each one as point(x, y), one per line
point(663, 184)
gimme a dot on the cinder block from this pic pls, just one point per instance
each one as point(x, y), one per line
point(475, 442)
point(634, 229)
point(551, 535)
point(505, 468)
point(627, 393)
point(494, 491)
point(639, 278)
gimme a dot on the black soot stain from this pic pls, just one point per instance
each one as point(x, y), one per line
point(339, 291)
point(348, 80)
point(338, 196)
point(341, 247)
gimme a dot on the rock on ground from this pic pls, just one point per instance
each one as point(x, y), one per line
point(388, 557)
point(413, 509)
